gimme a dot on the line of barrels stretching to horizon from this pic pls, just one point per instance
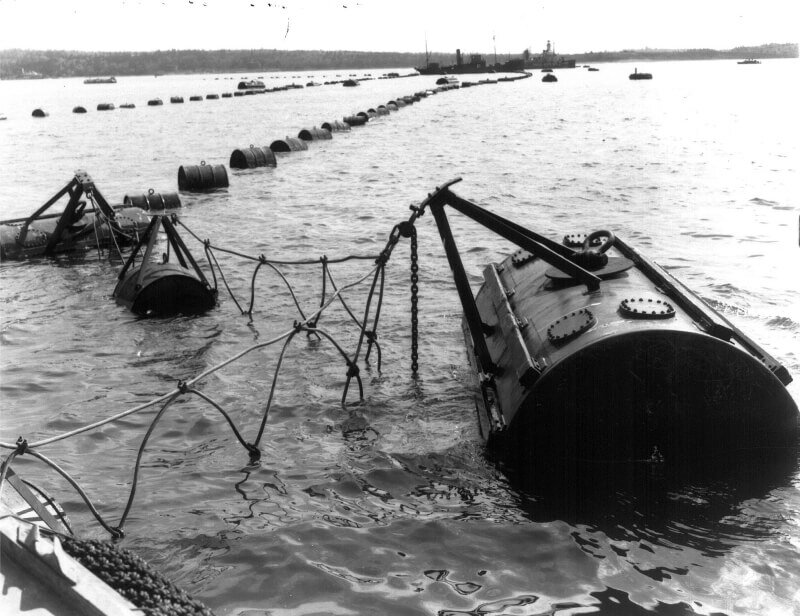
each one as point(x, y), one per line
point(248, 90)
point(208, 177)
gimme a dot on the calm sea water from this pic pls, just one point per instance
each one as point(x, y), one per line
point(697, 167)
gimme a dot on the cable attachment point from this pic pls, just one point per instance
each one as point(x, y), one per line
point(298, 326)
point(406, 228)
point(383, 258)
point(371, 335)
point(22, 446)
point(173, 218)
point(255, 452)
point(182, 387)
point(116, 532)
point(352, 369)
point(207, 243)
point(262, 259)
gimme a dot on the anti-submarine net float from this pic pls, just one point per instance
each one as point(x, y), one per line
point(588, 350)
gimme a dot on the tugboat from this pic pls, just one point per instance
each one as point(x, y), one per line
point(587, 350)
point(749, 61)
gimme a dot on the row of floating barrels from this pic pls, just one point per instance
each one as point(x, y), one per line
point(204, 177)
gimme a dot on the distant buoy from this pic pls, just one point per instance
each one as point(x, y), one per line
point(290, 144)
point(155, 102)
point(151, 200)
point(549, 78)
point(105, 107)
point(336, 126)
point(127, 106)
point(356, 120)
point(195, 98)
point(176, 99)
point(314, 134)
point(212, 96)
point(637, 75)
point(79, 109)
point(252, 157)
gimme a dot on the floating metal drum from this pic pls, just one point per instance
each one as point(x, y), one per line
point(164, 289)
point(155, 102)
point(290, 144)
point(336, 126)
point(176, 99)
point(151, 200)
point(252, 157)
point(39, 113)
point(79, 109)
point(105, 107)
point(314, 134)
point(202, 177)
point(356, 120)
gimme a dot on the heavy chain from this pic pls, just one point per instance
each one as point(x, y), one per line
point(414, 302)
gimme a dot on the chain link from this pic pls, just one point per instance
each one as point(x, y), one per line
point(414, 302)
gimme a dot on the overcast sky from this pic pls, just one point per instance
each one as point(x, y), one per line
point(395, 25)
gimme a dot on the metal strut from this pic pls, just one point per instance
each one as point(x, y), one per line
point(546, 249)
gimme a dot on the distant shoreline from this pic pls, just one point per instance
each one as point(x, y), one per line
point(29, 64)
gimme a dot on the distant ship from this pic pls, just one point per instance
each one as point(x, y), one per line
point(100, 80)
point(749, 61)
point(476, 64)
point(547, 59)
point(30, 75)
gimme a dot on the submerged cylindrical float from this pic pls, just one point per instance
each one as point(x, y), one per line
point(202, 177)
point(195, 98)
point(314, 134)
point(164, 289)
point(79, 109)
point(105, 107)
point(39, 113)
point(151, 200)
point(356, 120)
point(212, 96)
point(336, 126)
point(127, 106)
point(252, 157)
point(392, 105)
point(238, 93)
point(155, 102)
point(176, 99)
point(289, 144)
point(227, 94)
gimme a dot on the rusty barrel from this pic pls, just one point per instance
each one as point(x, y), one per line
point(151, 200)
point(202, 177)
point(252, 157)
point(336, 126)
point(356, 120)
point(314, 134)
point(289, 144)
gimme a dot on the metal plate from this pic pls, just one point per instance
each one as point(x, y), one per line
point(574, 240)
point(614, 266)
point(646, 307)
point(570, 325)
point(521, 257)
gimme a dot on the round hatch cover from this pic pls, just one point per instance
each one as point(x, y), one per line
point(646, 308)
point(571, 325)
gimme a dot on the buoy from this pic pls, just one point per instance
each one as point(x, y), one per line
point(549, 78)
point(212, 96)
point(195, 98)
point(336, 126)
point(127, 106)
point(392, 106)
point(79, 109)
point(356, 120)
point(227, 94)
point(238, 93)
point(382, 110)
point(105, 107)
point(164, 288)
point(198, 178)
point(39, 113)
point(290, 144)
point(155, 102)
point(314, 134)
point(637, 75)
point(176, 99)
point(151, 200)
point(252, 157)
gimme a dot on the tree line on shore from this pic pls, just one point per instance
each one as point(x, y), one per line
point(19, 63)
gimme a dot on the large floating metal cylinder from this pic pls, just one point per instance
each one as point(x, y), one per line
point(176, 99)
point(252, 157)
point(79, 109)
point(39, 113)
point(105, 107)
point(151, 200)
point(202, 177)
point(289, 144)
point(164, 290)
point(155, 102)
point(314, 134)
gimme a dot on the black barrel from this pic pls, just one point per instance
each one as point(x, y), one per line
point(382, 110)
point(392, 106)
point(238, 93)
point(290, 144)
point(364, 114)
point(372, 113)
point(227, 94)
point(155, 102)
point(176, 99)
point(105, 107)
point(356, 120)
point(410, 100)
point(400, 102)
point(39, 113)
point(127, 106)
point(151, 200)
point(212, 96)
point(549, 78)
point(202, 177)
point(252, 157)
point(195, 98)
point(79, 109)
point(314, 134)
point(336, 126)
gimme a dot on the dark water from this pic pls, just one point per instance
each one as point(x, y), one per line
point(698, 168)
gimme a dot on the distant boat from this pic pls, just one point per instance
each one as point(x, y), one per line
point(637, 75)
point(749, 61)
point(30, 75)
point(100, 80)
